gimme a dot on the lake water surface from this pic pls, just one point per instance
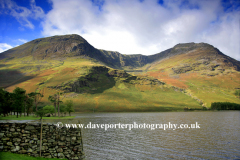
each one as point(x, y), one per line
point(217, 138)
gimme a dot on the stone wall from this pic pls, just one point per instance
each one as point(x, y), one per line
point(24, 138)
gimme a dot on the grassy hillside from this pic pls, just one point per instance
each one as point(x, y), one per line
point(109, 90)
point(205, 74)
point(188, 75)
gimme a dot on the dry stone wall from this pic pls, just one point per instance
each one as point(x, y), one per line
point(24, 138)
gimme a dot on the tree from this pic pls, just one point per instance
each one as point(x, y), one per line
point(29, 103)
point(5, 102)
point(19, 97)
point(26, 100)
point(58, 101)
point(69, 106)
point(53, 99)
point(37, 96)
point(63, 109)
point(237, 93)
point(2, 101)
point(41, 113)
point(49, 109)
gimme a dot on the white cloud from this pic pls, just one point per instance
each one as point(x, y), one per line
point(22, 14)
point(134, 27)
point(22, 40)
point(4, 47)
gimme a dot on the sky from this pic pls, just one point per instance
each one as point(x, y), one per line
point(128, 26)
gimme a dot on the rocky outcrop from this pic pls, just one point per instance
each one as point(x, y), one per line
point(143, 80)
point(117, 73)
point(24, 138)
point(100, 78)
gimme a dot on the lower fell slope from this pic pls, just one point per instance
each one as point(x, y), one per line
point(191, 75)
point(94, 87)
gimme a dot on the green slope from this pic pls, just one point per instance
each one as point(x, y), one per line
point(187, 75)
point(103, 89)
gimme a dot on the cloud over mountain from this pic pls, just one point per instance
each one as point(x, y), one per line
point(137, 26)
point(4, 47)
point(146, 27)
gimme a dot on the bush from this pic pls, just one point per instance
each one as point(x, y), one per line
point(49, 109)
point(204, 108)
point(38, 108)
point(69, 106)
point(41, 113)
point(237, 93)
point(63, 109)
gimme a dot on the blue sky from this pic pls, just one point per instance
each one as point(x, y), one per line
point(127, 26)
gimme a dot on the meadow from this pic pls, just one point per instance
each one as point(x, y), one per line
point(13, 156)
point(31, 117)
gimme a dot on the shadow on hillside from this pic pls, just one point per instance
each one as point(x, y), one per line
point(5, 65)
point(102, 85)
point(12, 77)
point(99, 85)
point(91, 83)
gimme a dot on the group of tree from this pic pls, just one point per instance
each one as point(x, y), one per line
point(19, 102)
point(58, 106)
point(63, 109)
point(225, 106)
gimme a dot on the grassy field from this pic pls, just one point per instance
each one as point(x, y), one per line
point(14, 117)
point(13, 156)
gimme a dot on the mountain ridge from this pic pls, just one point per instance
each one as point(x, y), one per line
point(74, 45)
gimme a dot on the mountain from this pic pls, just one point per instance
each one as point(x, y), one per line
point(61, 47)
point(187, 75)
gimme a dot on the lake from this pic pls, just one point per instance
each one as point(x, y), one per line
point(217, 138)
